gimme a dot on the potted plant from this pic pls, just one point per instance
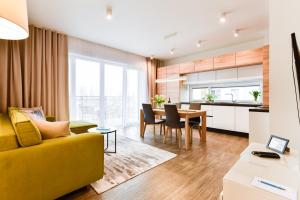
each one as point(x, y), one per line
point(255, 94)
point(159, 100)
point(209, 98)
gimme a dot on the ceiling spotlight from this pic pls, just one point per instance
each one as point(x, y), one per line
point(109, 12)
point(222, 18)
point(151, 57)
point(236, 33)
point(172, 51)
point(199, 44)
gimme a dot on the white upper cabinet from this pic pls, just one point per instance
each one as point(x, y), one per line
point(226, 74)
point(250, 72)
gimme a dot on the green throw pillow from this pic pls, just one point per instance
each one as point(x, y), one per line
point(27, 133)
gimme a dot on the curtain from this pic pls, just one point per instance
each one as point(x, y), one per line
point(34, 72)
point(152, 64)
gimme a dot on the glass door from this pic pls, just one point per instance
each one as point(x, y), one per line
point(113, 95)
point(132, 97)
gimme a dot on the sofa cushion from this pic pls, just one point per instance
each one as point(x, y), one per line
point(8, 138)
point(50, 130)
point(26, 131)
point(36, 112)
point(81, 126)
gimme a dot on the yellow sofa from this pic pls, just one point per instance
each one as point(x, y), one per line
point(48, 170)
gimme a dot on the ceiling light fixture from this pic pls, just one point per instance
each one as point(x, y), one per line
point(236, 33)
point(13, 20)
point(109, 12)
point(151, 57)
point(172, 51)
point(222, 18)
point(199, 44)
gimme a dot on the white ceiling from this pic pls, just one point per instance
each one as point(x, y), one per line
point(139, 26)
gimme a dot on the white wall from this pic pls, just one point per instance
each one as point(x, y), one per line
point(284, 19)
point(83, 47)
point(209, 53)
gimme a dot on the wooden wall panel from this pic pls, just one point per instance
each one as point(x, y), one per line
point(249, 57)
point(204, 65)
point(224, 61)
point(266, 75)
point(186, 68)
point(161, 89)
point(173, 91)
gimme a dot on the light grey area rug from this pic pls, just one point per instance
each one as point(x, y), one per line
point(132, 158)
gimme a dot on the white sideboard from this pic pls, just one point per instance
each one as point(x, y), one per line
point(237, 182)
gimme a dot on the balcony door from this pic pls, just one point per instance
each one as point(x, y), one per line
point(104, 93)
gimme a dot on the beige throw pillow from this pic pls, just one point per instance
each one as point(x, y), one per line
point(50, 130)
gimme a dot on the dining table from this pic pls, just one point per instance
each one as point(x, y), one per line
point(184, 114)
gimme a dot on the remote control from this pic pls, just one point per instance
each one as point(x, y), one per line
point(266, 154)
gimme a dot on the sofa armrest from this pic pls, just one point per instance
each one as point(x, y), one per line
point(53, 168)
point(50, 118)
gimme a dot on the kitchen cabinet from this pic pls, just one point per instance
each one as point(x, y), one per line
point(227, 74)
point(172, 69)
point(249, 57)
point(231, 118)
point(161, 72)
point(242, 119)
point(224, 61)
point(204, 65)
point(224, 117)
point(161, 89)
point(209, 114)
point(186, 68)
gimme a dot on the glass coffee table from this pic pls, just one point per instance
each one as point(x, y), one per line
point(106, 131)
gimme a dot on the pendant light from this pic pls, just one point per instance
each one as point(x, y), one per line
point(13, 20)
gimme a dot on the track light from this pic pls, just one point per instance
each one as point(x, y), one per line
point(199, 44)
point(236, 33)
point(151, 57)
point(109, 12)
point(172, 51)
point(223, 18)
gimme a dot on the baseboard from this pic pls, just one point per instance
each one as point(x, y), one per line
point(235, 133)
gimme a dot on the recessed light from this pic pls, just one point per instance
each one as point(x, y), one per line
point(109, 12)
point(172, 51)
point(236, 33)
point(222, 18)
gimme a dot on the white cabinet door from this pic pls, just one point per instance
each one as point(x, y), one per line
point(224, 117)
point(209, 113)
point(242, 119)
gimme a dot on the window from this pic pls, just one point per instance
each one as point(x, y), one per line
point(199, 93)
point(107, 94)
point(241, 93)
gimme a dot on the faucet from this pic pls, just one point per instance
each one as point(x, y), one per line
point(231, 97)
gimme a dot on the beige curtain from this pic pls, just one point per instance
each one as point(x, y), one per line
point(34, 72)
point(152, 64)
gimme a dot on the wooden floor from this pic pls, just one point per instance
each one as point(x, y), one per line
point(195, 174)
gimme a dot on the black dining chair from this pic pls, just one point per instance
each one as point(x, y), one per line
point(149, 118)
point(196, 121)
point(173, 122)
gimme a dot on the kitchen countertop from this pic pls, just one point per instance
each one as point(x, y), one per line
point(227, 104)
point(260, 109)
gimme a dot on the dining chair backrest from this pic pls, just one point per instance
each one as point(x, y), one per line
point(172, 116)
point(149, 116)
point(195, 106)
